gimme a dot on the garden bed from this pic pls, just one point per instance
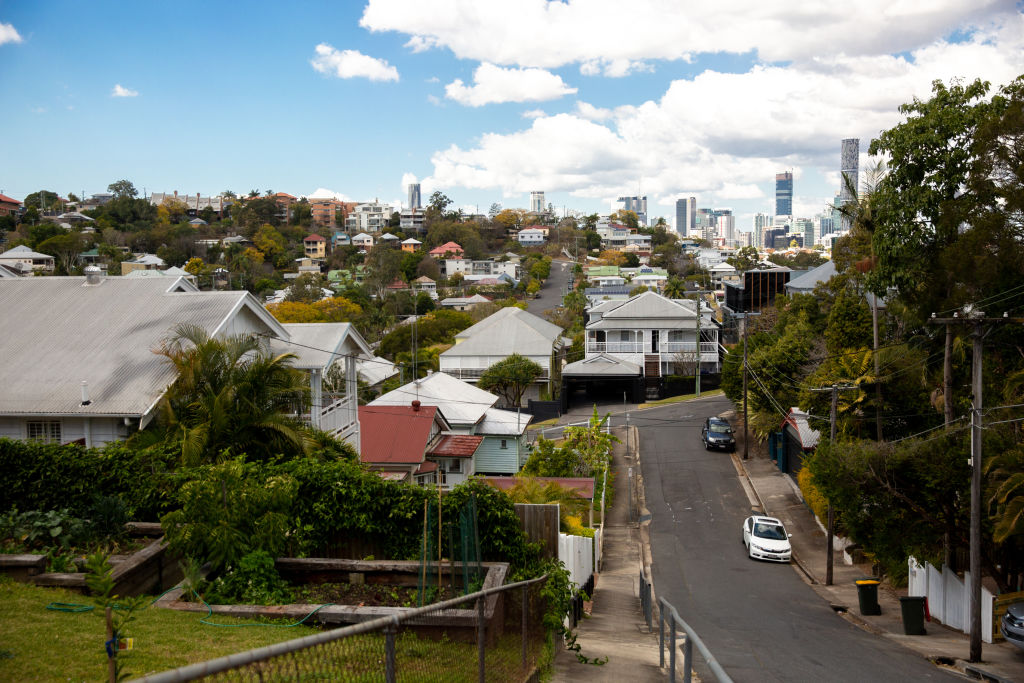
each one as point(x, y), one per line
point(361, 579)
point(150, 569)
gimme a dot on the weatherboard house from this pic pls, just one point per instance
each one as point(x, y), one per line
point(79, 362)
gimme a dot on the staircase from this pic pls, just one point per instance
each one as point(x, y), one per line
point(652, 375)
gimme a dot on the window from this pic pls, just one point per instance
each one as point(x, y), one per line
point(454, 465)
point(504, 443)
point(47, 432)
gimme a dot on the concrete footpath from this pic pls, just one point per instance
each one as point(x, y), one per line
point(779, 497)
point(615, 627)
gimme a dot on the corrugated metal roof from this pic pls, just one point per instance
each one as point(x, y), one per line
point(499, 422)
point(506, 331)
point(809, 280)
point(318, 345)
point(602, 365)
point(57, 332)
point(460, 402)
point(456, 446)
point(394, 434)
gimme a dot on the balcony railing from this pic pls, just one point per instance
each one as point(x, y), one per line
point(664, 348)
point(340, 417)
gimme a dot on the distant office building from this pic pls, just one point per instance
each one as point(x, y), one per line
point(783, 194)
point(822, 226)
point(744, 239)
point(415, 201)
point(637, 205)
point(537, 202)
point(762, 222)
point(756, 290)
point(686, 215)
point(726, 225)
point(773, 236)
point(803, 228)
point(848, 166)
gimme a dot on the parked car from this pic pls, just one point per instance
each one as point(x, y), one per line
point(717, 433)
point(1012, 624)
point(766, 539)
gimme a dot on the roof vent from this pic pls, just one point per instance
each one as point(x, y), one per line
point(93, 275)
point(416, 406)
point(85, 393)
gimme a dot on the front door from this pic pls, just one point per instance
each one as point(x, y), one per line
point(654, 341)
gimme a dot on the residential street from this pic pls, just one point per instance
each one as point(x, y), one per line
point(760, 620)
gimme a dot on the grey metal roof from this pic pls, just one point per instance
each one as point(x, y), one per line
point(506, 331)
point(21, 251)
point(809, 280)
point(499, 422)
point(56, 332)
point(647, 310)
point(602, 365)
point(318, 345)
point(460, 402)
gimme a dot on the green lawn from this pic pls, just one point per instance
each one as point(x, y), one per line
point(680, 399)
point(37, 644)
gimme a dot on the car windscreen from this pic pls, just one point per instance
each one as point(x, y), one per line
point(772, 532)
point(719, 428)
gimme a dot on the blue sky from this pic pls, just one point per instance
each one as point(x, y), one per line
point(483, 101)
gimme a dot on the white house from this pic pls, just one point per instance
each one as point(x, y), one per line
point(22, 259)
point(506, 331)
point(79, 362)
point(531, 237)
point(362, 240)
point(483, 267)
point(653, 332)
point(369, 217)
point(470, 410)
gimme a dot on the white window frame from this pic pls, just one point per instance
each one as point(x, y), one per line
point(44, 431)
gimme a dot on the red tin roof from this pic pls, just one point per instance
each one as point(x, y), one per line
point(456, 446)
point(394, 434)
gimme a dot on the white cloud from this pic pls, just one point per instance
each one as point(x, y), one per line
point(494, 84)
point(38, 110)
point(613, 68)
point(9, 34)
point(324, 193)
point(351, 64)
point(749, 127)
point(435, 100)
point(533, 113)
point(552, 34)
point(121, 91)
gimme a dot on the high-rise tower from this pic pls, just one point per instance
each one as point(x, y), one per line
point(414, 196)
point(686, 215)
point(537, 202)
point(784, 194)
point(848, 163)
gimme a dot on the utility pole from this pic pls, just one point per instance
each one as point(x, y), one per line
point(976, 319)
point(746, 432)
point(831, 513)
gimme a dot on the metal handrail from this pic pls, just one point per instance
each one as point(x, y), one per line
point(691, 639)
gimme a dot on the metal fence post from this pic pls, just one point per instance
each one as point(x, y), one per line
point(526, 603)
point(481, 633)
point(687, 658)
point(661, 637)
point(672, 655)
point(390, 632)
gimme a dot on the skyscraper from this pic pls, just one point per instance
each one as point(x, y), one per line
point(762, 222)
point(637, 205)
point(848, 167)
point(414, 196)
point(686, 215)
point(784, 194)
point(537, 202)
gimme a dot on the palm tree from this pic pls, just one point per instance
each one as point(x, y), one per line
point(232, 397)
point(534, 491)
point(675, 288)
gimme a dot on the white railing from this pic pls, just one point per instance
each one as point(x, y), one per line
point(948, 596)
point(340, 417)
point(475, 373)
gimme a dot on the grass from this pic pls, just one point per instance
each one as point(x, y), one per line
point(37, 644)
point(546, 423)
point(679, 399)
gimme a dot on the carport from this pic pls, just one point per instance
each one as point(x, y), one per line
point(602, 376)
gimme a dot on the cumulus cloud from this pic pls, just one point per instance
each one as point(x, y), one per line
point(324, 193)
point(351, 64)
point(613, 68)
point(9, 34)
point(121, 91)
point(494, 84)
point(534, 113)
point(552, 34)
point(749, 126)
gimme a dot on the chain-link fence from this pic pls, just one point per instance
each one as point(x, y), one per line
point(495, 634)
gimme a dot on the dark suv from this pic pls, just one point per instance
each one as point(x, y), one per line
point(717, 433)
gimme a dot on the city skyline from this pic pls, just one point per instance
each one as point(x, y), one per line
point(360, 101)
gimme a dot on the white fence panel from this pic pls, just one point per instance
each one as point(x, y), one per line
point(949, 597)
point(953, 588)
point(936, 594)
point(577, 552)
point(917, 578)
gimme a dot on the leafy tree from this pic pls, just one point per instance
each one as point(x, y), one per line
point(269, 241)
point(307, 288)
point(231, 398)
point(65, 249)
point(531, 490)
point(8, 223)
point(745, 259)
point(627, 218)
point(38, 234)
point(43, 200)
point(631, 260)
point(195, 266)
point(494, 210)
point(849, 323)
point(510, 378)
point(123, 189)
point(384, 267)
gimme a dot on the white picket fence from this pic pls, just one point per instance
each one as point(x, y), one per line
point(949, 597)
point(578, 554)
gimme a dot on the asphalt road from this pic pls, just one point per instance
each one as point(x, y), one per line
point(759, 619)
point(553, 289)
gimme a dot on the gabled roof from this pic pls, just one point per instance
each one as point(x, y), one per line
point(389, 237)
point(446, 247)
point(411, 240)
point(506, 331)
point(499, 422)
point(797, 419)
point(645, 310)
point(318, 345)
point(396, 434)
point(314, 238)
point(424, 279)
point(374, 370)
point(461, 402)
point(812, 278)
point(9, 200)
point(149, 260)
point(456, 446)
point(68, 332)
point(22, 251)
point(603, 365)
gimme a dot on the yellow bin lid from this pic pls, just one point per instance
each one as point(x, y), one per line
point(866, 582)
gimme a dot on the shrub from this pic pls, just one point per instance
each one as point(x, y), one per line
point(812, 496)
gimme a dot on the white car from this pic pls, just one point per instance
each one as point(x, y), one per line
point(766, 539)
